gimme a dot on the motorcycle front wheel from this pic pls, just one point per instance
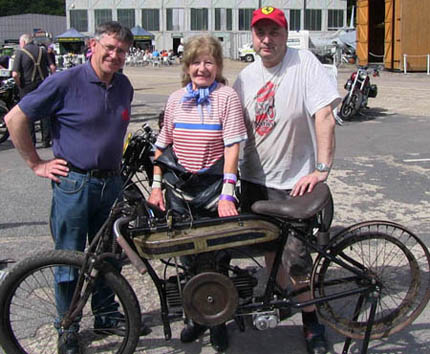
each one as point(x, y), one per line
point(347, 109)
point(28, 308)
point(350, 107)
point(4, 133)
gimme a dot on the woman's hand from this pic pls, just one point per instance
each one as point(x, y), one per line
point(156, 198)
point(226, 208)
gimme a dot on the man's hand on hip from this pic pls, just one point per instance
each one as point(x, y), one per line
point(51, 169)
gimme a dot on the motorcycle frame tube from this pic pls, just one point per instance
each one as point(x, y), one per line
point(131, 254)
point(184, 225)
point(304, 237)
point(354, 83)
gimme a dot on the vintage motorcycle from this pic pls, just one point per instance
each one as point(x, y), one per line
point(359, 90)
point(9, 96)
point(368, 281)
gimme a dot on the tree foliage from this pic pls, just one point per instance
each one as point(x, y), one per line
point(19, 7)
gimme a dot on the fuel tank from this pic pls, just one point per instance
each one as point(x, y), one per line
point(205, 237)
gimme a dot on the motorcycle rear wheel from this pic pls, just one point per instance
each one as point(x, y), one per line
point(393, 256)
point(4, 133)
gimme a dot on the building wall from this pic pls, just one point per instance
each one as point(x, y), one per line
point(232, 40)
point(11, 27)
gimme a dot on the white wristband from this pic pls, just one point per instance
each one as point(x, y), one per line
point(228, 189)
point(157, 181)
point(156, 184)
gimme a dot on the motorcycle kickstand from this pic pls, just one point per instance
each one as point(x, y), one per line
point(369, 326)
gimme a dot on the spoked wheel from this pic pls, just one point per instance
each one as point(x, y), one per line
point(397, 269)
point(4, 133)
point(28, 308)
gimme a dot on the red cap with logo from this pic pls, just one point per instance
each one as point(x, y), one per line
point(269, 13)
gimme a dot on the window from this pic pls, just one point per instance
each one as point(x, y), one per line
point(126, 17)
point(199, 19)
point(245, 16)
point(223, 20)
point(335, 19)
point(313, 20)
point(79, 20)
point(175, 20)
point(102, 16)
point(295, 20)
point(151, 19)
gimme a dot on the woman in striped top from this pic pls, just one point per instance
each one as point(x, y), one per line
point(204, 124)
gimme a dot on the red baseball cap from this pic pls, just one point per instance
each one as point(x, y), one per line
point(269, 13)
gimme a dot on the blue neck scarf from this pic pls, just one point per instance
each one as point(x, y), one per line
point(201, 95)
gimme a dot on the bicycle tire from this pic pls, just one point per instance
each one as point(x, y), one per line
point(4, 133)
point(396, 257)
point(27, 305)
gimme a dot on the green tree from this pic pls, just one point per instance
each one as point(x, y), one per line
point(46, 7)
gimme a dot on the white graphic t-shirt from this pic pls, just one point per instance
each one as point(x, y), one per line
point(279, 105)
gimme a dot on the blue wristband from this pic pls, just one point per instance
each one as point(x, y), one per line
point(230, 198)
point(230, 176)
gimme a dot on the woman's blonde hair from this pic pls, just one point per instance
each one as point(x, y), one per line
point(201, 45)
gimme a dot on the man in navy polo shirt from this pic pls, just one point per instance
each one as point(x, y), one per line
point(90, 105)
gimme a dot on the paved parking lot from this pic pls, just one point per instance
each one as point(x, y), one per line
point(381, 172)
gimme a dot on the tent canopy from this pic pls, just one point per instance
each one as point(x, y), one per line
point(71, 35)
point(140, 33)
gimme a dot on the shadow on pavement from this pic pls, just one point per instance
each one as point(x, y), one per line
point(18, 224)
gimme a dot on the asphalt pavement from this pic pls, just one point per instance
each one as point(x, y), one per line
point(381, 171)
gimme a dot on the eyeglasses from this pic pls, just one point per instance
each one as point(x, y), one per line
point(112, 49)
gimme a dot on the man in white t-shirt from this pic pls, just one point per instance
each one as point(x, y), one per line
point(180, 50)
point(288, 100)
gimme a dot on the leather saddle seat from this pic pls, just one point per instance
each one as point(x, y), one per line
point(300, 207)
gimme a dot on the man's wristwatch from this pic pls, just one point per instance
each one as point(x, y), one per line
point(322, 167)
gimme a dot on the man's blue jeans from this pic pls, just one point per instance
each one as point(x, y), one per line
point(80, 206)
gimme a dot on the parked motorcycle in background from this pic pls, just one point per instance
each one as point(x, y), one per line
point(9, 96)
point(359, 90)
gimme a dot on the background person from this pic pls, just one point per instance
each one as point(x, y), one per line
point(51, 58)
point(4, 62)
point(180, 51)
point(90, 105)
point(288, 100)
point(30, 68)
point(203, 123)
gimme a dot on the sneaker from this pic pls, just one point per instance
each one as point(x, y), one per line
point(115, 326)
point(316, 343)
point(219, 337)
point(191, 332)
point(68, 343)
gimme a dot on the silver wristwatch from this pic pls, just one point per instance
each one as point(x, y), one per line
point(322, 167)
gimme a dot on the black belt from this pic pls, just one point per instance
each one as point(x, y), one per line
point(94, 173)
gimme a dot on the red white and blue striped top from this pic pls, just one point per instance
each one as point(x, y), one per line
point(199, 141)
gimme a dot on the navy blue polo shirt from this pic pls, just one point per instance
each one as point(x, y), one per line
point(89, 120)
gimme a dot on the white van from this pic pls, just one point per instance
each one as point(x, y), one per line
point(299, 40)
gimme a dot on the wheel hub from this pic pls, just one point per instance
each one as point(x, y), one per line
point(210, 298)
